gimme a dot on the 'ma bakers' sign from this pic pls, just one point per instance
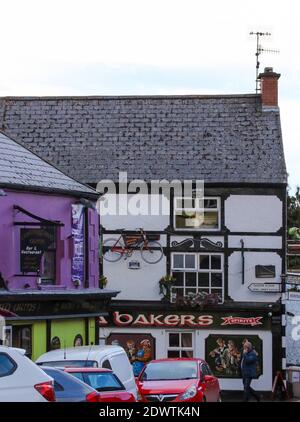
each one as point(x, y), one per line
point(182, 320)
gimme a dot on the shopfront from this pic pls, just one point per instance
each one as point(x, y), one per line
point(215, 336)
point(39, 322)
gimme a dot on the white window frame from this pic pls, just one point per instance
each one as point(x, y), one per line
point(180, 348)
point(218, 209)
point(198, 270)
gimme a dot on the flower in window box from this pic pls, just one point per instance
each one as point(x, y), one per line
point(200, 299)
point(103, 282)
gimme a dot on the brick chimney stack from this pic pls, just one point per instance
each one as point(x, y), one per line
point(269, 87)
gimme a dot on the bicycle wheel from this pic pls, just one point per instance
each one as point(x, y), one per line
point(153, 253)
point(116, 254)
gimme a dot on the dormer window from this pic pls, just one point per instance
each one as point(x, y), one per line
point(197, 213)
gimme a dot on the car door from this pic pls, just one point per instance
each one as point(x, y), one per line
point(211, 384)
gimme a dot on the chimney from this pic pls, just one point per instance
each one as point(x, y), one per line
point(269, 87)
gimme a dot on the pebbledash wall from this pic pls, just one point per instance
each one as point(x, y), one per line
point(234, 144)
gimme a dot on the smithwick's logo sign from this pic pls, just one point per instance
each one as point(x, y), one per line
point(175, 320)
point(242, 321)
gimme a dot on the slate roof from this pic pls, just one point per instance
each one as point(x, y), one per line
point(19, 167)
point(222, 138)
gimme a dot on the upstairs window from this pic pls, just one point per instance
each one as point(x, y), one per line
point(200, 272)
point(197, 213)
point(38, 252)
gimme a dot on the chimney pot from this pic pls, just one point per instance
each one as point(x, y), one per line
point(269, 87)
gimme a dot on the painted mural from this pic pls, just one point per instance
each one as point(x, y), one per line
point(223, 353)
point(140, 348)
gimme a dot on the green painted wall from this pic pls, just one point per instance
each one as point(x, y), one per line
point(39, 341)
point(66, 330)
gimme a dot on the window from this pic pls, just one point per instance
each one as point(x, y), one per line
point(194, 273)
point(197, 213)
point(7, 365)
point(22, 338)
point(38, 252)
point(180, 345)
point(106, 364)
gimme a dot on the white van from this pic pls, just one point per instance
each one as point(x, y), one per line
point(110, 357)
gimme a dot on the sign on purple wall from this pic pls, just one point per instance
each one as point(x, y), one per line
point(78, 239)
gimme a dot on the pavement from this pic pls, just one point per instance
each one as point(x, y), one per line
point(237, 396)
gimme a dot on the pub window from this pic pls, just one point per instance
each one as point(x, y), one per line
point(199, 272)
point(265, 271)
point(197, 213)
point(38, 252)
point(180, 345)
point(22, 338)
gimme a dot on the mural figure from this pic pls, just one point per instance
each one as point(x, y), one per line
point(220, 354)
point(142, 356)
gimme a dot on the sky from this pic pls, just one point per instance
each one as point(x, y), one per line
point(135, 47)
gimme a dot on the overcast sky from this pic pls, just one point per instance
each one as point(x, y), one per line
point(116, 47)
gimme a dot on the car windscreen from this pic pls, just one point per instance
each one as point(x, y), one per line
point(71, 363)
point(100, 381)
point(172, 370)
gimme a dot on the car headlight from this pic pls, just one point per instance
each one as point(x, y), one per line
point(189, 393)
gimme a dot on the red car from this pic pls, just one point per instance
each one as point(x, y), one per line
point(105, 382)
point(178, 380)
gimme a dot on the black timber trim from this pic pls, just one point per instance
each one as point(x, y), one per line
point(172, 232)
point(274, 250)
point(86, 329)
point(139, 305)
point(255, 188)
point(41, 220)
point(48, 334)
point(55, 317)
point(96, 331)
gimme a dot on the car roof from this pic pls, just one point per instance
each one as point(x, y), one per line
point(62, 377)
point(71, 369)
point(79, 353)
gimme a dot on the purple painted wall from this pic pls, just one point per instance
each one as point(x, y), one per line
point(50, 207)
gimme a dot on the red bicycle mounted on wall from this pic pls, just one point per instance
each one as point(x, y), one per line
point(150, 249)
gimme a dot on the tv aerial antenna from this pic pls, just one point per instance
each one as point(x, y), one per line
point(259, 50)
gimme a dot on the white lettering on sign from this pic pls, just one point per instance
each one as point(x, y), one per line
point(252, 321)
point(151, 320)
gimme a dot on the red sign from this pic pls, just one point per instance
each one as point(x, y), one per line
point(180, 320)
point(252, 321)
